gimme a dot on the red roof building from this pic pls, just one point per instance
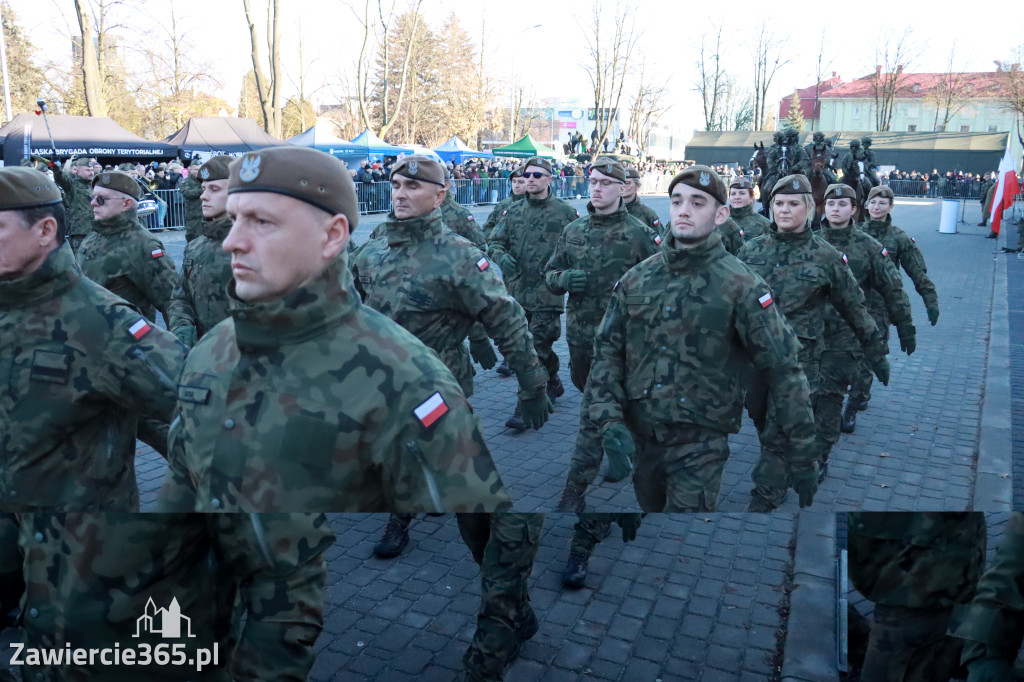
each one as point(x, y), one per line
point(807, 99)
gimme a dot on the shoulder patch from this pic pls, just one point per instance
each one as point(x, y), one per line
point(156, 253)
point(430, 410)
point(577, 214)
point(741, 232)
point(616, 285)
point(483, 264)
point(885, 251)
point(657, 239)
point(845, 259)
point(469, 217)
point(657, 222)
point(765, 300)
point(140, 328)
point(505, 212)
point(913, 240)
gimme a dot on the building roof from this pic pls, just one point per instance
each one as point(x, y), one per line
point(920, 85)
point(806, 96)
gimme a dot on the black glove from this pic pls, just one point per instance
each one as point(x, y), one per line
point(630, 524)
point(483, 353)
point(508, 264)
point(618, 445)
point(536, 406)
point(881, 369)
point(805, 482)
point(573, 281)
point(933, 315)
point(908, 339)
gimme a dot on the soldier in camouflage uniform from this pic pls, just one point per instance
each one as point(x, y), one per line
point(819, 145)
point(191, 192)
point(806, 274)
point(521, 245)
point(916, 567)
point(992, 624)
point(741, 209)
point(456, 218)
point(870, 167)
point(669, 358)
point(794, 152)
point(306, 400)
point(634, 206)
point(732, 236)
point(518, 192)
point(120, 254)
point(90, 580)
point(842, 357)
point(75, 179)
point(78, 363)
point(200, 300)
point(504, 546)
point(440, 287)
point(588, 532)
point(902, 249)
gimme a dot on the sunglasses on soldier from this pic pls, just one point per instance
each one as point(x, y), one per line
point(535, 174)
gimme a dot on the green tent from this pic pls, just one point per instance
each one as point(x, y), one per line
point(525, 148)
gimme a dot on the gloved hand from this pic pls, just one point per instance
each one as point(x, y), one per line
point(933, 315)
point(573, 281)
point(908, 339)
point(805, 481)
point(508, 264)
point(536, 406)
point(186, 334)
point(483, 353)
point(629, 523)
point(618, 445)
point(989, 670)
point(881, 370)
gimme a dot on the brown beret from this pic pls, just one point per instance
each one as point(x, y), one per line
point(703, 178)
point(420, 167)
point(517, 173)
point(840, 190)
point(119, 182)
point(632, 173)
point(610, 167)
point(881, 191)
point(217, 168)
point(23, 187)
point(539, 163)
point(126, 167)
point(741, 182)
point(82, 161)
point(792, 184)
point(302, 173)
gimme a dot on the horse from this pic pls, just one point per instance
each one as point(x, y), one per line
point(819, 183)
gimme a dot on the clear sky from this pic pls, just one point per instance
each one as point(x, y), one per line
point(549, 58)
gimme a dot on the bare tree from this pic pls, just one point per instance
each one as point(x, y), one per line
point(609, 52)
point(267, 86)
point(820, 70)
point(769, 52)
point(892, 56)
point(951, 94)
point(712, 81)
point(92, 54)
point(645, 108)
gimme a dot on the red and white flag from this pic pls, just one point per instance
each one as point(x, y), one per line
point(1006, 189)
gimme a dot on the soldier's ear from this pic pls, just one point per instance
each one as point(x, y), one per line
point(337, 236)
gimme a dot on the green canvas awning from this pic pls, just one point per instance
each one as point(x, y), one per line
point(525, 148)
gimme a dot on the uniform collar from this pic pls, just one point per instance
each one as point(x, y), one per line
point(833, 234)
point(790, 237)
point(697, 258)
point(412, 230)
point(880, 225)
point(742, 211)
point(119, 223)
point(538, 202)
point(57, 274)
point(217, 229)
point(608, 219)
point(307, 312)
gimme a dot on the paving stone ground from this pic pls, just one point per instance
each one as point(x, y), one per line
point(1015, 301)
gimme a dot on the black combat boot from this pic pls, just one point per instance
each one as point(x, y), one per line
point(515, 422)
point(849, 418)
point(525, 630)
point(575, 574)
point(503, 369)
point(555, 388)
point(393, 541)
point(572, 500)
point(822, 469)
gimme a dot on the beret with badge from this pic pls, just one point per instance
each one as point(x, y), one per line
point(82, 161)
point(703, 178)
point(840, 190)
point(741, 182)
point(517, 173)
point(792, 184)
point(632, 173)
point(302, 173)
point(538, 162)
point(22, 187)
point(119, 182)
point(610, 167)
point(420, 167)
point(881, 191)
point(217, 168)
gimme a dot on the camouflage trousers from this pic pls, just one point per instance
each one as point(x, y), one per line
point(546, 327)
point(911, 645)
point(581, 357)
point(860, 390)
point(589, 531)
point(504, 546)
point(771, 472)
point(682, 473)
point(837, 371)
point(586, 458)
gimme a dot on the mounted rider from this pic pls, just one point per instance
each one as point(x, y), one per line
point(821, 147)
point(870, 167)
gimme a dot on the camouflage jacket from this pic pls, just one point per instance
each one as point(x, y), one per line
point(671, 350)
point(499, 212)
point(903, 250)
point(528, 233)
point(77, 193)
point(191, 189)
point(732, 236)
point(95, 579)
point(873, 272)
point(752, 223)
point(993, 623)
point(455, 217)
point(315, 402)
point(645, 213)
point(806, 274)
point(200, 300)
point(123, 257)
point(604, 247)
point(78, 363)
point(916, 560)
point(437, 285)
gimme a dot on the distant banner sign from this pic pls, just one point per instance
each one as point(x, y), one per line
point(567, 124)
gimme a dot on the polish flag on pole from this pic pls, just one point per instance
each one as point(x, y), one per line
point(1006, 189)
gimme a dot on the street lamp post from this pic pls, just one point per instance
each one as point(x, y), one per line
point(512, 98)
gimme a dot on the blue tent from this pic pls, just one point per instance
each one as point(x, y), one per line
point(457, 151)
point(373, 147)
point(317, 137)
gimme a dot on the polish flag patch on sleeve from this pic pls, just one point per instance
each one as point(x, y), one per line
point(469, 217)
point(765, 300)
point(845, 259)
point(885, 251)
point(483, 264)
point(913, 240)
point(156, 253)
point(431, 409)
point(741, 233)
point(140, 328)
point(657, 239)
point(657, 222)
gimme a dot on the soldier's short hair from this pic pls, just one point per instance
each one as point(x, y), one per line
point(33, 215)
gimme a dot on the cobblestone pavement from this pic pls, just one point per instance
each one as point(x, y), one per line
point(1015, 300)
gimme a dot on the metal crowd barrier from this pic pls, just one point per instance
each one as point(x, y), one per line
point(936, 190)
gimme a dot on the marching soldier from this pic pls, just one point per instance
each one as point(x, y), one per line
point(902, 249)
point(637, 208)
point(191, 193)
point(200, 300)
point(517, 186)
point(741, 209)
point(306, 400)
point(75, 178)
point(80, 363)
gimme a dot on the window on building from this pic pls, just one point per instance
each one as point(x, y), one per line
point(965, 129)
point(856, 112)
point(912, 128)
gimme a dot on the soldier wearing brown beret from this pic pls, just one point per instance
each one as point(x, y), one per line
point(741, 208)
point(633, 204)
